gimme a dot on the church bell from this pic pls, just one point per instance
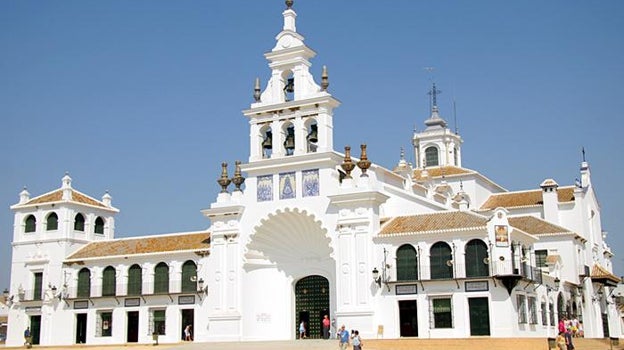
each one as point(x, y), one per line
point(289, 144)
point(268, 141)
point(313, 135)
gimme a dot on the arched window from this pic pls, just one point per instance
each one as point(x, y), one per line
point(431, 156)
point(84, 283)
point(267, 141)
point(407, 265)
point(109, 277)
point(52, 222)
point(289, 139)
point(99, 225)
point(312, 136)
point(31, 224)
point(161, 278)
point(135, 280)
point(476, 259)
point(189, 277)
point(79, 222)
point(441, 261)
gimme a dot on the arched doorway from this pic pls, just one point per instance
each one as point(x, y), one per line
point(311, 304)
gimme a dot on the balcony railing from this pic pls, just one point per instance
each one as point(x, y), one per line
point(132, 289)
point(461, 271)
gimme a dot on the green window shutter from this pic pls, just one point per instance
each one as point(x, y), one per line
point(407, 264)
point(135, 280)
point(161, 278)
point(189, 277)
point(84, 283)
point(439, 258)
point(476, 257)
point(109, 282)
point(31, 224)
point(52, 222)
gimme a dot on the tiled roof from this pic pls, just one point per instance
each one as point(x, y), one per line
point(144, 245)
point(535, 226)
point(599, 272)
point(57, 196)
point(441, 171)
point(444, 221)
point(525, 198)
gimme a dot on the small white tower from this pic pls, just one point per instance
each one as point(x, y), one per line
point(437, 145)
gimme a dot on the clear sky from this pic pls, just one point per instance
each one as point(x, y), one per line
point(143, 98)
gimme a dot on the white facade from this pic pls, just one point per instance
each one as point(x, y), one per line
point(437, 251)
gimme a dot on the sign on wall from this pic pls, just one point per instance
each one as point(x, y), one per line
point(476, 286)
point(404, 289)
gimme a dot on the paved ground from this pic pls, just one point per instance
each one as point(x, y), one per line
point(475, 343)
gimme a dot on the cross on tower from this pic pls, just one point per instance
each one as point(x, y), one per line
point(433, 93)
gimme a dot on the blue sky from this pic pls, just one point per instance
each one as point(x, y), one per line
point(143, 98)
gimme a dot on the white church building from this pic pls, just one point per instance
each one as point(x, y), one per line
point(304, 229)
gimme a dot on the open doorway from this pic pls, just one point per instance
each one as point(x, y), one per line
point(188, 318)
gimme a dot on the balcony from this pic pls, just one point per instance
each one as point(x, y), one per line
point(132, 290)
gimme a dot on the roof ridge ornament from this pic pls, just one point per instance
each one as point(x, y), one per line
point(289, 4)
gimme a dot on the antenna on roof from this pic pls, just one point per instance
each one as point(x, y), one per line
point(455, 116)
point(583, 151)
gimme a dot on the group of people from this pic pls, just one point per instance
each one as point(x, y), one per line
point(568, 329)
point(344, 337)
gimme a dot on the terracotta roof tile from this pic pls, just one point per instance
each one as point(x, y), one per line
point(442, 171)
point(535, 226)
point(599, 272)
point(525, 198)
point(57, 196)
point(433, 222)
point(144, 245)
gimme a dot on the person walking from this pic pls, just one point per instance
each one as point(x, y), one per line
point(302, 330)
point(27, 339)
point(326, 325)
point(344, 338)
point(561, 341)
point(188, 336)
point(356, 340)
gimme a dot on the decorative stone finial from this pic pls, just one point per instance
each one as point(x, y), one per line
point(66, 180)
point(106, 199)
point(324, 79)
point(256, 94)
point(224, 181)
point(289, 4)
point(347, 165)
point(238, 178)
point(24, 196)
point(364, 163)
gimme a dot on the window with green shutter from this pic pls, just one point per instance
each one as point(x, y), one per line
point(109, 282)
point(442, 313)
point(79, 222)
point(99, 226)
point(31, 224)
point(476, 259)
point(441, 261)
point(135, 280)
point(84, 283)
point(407, 264)
point(161, 278)
point(189, 277)
point(52, 222)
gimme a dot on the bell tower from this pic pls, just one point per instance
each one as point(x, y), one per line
point(437, 145)
point(292, 116)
